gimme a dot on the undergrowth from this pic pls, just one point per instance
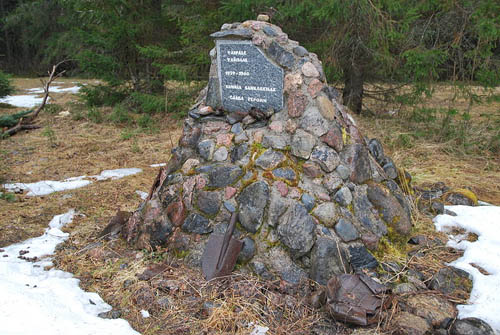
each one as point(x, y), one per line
point(135, 110)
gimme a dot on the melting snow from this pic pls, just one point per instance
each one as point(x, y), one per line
point(31, 100)
point(258, 330)
point(145, 313)
point(158, 165)
point(484, 221)
point(49, 186)
point(142, 194)
point(26, 101)
point(35, 301)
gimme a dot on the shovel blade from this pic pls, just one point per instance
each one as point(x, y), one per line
point(211, 254)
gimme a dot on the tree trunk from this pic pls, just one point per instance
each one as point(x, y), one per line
point(353, 90)
point(6, 36)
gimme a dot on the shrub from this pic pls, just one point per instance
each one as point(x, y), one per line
point(102, 95)
point(95, 115)
point(52, 108)
point(146, 103)
point(6, 87)
point(120, 114)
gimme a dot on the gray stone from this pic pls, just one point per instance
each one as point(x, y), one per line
point(308, 201)
point(356, 158)
point(236, 117)
point(360, 258)
point(270, 31)
point(328, 258)
point(281, 56)
point(326, 213)
point(240, 33)
point(315, 189)
point(260, 88)
point(240, 138)
point(376, 149)
point(213, 93)
point(270, 159)
point(277, 207)
point(194, 115)
point(296, 230)
point(471, 326)
point(366, 213)
point(302, 144)
point(435, 309)
point(314, 122)
point(343, 171)
point(410, 324)
point(390, 169)
point(196, 224)
point(248, 120)
point(300, 51)
point(253, 200)
point(332, 182)
point(285, 173)
point(239, 152)
point(206, 149)
point(450, 279)
point(326, 157)
point(229, 206)
point(404, 288)
point(343, 196)
point(248, 250)
point(173, 178)
point(346, 230)
point(112, 314)
point(259, 124)
point(391, 210)
point(237, 128)
point(223, 175)
point(279, 260)
point(276, 141)
point(220, 154)
point(208, 202)
point(261, 270)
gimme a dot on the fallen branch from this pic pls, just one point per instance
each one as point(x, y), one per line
point(26, 123)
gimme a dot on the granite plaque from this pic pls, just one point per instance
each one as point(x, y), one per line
point(248, 78)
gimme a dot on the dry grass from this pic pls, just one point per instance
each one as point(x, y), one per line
point(429, 160)
point(110, 268)
point(80, 148)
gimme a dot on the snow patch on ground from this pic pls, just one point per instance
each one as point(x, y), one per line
point(45, 187)
point(142, 194)
point(55, 89)
point(25, 101)
point(484, 221)
point(158, 165)
point(258, 330)
point(35, 301)
point(31, 100)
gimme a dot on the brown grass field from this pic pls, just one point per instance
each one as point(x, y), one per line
point(81, 147)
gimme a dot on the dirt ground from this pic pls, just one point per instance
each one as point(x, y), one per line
point(81, 147)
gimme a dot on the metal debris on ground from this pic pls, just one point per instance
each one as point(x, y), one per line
point(356, 299)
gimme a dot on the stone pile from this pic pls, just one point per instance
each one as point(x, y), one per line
point(314, 197)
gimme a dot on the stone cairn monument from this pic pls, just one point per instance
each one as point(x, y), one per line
point(267, 137)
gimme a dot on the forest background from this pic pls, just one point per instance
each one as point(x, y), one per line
point(391, 52)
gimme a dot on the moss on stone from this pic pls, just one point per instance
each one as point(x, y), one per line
point(463, 192)
point(392, 245)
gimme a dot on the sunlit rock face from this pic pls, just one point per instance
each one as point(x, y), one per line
point(270, 139)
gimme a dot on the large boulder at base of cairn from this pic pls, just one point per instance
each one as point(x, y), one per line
point(269, 138)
